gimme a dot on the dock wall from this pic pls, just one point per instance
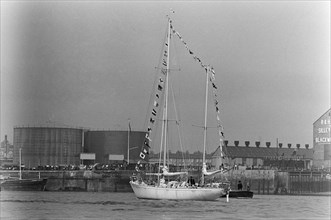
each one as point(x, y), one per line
point(258, 181)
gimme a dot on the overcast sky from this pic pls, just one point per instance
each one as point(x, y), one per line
point(92, 64)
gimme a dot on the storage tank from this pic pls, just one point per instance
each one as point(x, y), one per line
point(108, 145)
point(48, 145)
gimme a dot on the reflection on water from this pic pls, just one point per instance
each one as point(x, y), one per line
point(100, 205)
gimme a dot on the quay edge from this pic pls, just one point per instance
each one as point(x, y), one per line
point(259, 181)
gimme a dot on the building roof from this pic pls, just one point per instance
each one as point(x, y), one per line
point(263, 152)
point(327, 112)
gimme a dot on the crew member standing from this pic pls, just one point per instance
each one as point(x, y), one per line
point(240, 185)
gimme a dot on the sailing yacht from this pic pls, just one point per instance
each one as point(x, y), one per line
point(174, 190)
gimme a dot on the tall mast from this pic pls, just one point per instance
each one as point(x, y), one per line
point(166, 96)
point(129, 130)
point(205, 130)
point(20, 163)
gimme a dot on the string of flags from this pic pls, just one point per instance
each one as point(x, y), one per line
point(209, 70)
point(156, 106)
point(159, 91)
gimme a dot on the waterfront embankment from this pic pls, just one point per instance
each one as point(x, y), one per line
point(258, 181)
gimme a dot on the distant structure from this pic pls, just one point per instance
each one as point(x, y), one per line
point(112, 146)
point(62, 146)
point(51, 145)
point(6, 152)
point(182, 159)
point(254, 157)
point(322, 141)
point(47, 145)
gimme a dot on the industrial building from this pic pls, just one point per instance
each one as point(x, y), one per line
point(114, 146)
point(322, 141)
point(61, 146)
point(51, 145)
point(245, 156)
point(42, 146)
point(6, 152)
point(278, 157)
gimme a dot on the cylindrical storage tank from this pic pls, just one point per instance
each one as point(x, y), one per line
point(105, 143)
point(47, 145)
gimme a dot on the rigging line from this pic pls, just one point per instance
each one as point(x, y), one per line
point(156, 78)
point(177, 123)
point(176, 56)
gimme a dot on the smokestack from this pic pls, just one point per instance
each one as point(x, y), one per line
point(247, 143)
point(236, 143)
point(257, 143)
point(307, 146)
point(298, 146)
point(289, 145)
point(268, 144)
point(6, 145)
point(280, 145)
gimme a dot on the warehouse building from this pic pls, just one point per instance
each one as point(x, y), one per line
point(114, 146)
point(253, 157)
point(322, 141)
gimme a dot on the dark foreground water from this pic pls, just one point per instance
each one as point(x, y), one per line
point(101, 205)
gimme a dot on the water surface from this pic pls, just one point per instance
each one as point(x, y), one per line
point(104, 205)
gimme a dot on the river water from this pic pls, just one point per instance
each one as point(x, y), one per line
point(104, 205)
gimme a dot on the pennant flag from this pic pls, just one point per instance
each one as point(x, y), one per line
point(146, 144)
point(142, 156)
point(148, 138)
point(154, 112)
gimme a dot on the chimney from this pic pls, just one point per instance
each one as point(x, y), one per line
point(236, 143)
point(289, 145)
point(6, 145)
point(307, 146)
point(298, 146)
point(247, 143)
point(268, 144)
point(257, 143)
point(226, 143)
point(280, 145)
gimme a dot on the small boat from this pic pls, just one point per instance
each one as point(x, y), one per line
point(239, 194)
point(19, 184)
point(180, 188)
point(23, 185)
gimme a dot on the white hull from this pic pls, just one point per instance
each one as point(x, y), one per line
point(143, 191)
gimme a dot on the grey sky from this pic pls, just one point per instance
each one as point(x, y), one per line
point(91, 64)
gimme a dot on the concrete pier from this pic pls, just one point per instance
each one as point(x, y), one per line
point(258, 181)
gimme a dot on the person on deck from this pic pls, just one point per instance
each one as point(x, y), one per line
point(240, 185)
point(247, 186)
point(191, 181)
